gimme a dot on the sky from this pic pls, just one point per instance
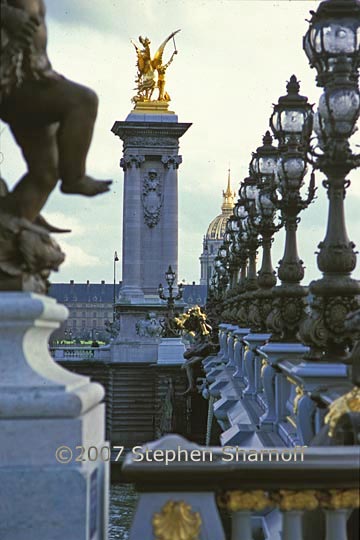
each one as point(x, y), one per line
point(234, 59)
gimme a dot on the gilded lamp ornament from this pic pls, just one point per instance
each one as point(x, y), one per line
point(151, 70)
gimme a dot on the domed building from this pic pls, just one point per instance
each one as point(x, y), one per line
point(214, 235)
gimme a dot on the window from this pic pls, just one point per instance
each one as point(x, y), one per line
point(84, 314)
point(74, 323)
point(94, 314)
point(83, 323)
point(94, 323)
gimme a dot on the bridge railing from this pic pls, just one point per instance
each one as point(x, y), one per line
point(279, 493)
point(271, 388)
point(80, 353)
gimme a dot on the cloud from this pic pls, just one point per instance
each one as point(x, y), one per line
point(76, 256)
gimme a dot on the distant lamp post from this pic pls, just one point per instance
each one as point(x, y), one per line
point(206, 252)
point(116, 259)
point(170, 299)
point(263, 169)
point(332, 46)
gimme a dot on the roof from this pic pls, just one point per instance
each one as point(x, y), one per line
point(216, 229)
point(84, 292)
point(104, 292)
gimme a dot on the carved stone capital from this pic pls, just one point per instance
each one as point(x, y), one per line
point(131, 160)
point(171, 161)
point(240, 501)
point(334, 499)
point(289, 500)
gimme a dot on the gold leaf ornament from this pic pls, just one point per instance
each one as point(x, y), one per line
point(176, 521)
point(240, 501)
point(349, 402)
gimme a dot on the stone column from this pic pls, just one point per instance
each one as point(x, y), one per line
point(132, 221)
point(150, 235)
point(170, 217)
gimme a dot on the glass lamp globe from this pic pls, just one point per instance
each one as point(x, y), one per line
point(263, 162)
point(292, 116)
point(338, 112)
point(291, 170)
point(333, 32)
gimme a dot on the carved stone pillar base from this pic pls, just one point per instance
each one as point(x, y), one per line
point(47, 416)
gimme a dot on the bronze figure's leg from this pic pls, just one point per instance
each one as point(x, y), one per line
point(29, 111)
point(39, 148)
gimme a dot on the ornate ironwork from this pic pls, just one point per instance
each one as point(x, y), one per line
point(332, 46)
point(291, 123)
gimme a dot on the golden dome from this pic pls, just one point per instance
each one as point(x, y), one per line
point(216, 229)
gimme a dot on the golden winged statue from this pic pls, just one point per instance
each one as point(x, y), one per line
point(151, 71)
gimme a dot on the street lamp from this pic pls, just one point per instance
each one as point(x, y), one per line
point(291, 123)
point(206, 252)
point(263, 167)
point(169, 330)
point(332, 46)
point(116, 259)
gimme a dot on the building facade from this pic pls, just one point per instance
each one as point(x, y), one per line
point(214, 235)
point(90, 305)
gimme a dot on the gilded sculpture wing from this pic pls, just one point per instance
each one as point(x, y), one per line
point(140, 57)
point(157, 60)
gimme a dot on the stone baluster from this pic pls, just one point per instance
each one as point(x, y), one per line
point(305, 409)
point(239, 350)
point(337, 504)
point(268, 376)
point(242, 504)
point(241, 526)
point(230, 348)
point(249, 362)
point(292, 505)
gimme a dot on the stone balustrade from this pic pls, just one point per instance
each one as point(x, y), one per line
point(80, 353)
point(266, 392)
point(189, 491)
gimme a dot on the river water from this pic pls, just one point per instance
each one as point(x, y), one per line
point(123, 499)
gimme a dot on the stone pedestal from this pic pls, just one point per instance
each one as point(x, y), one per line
point(171, 351)
point(49, 487)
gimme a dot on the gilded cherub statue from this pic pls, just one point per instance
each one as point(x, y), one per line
point(52, 120)
point(151, 71)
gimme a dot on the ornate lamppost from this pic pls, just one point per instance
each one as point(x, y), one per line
point(332, 44)
point(291, 123)
point(116, 259)
point(169, 330)
point(263, 169)
point(245, 211)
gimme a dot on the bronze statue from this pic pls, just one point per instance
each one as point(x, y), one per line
point(146, 80)
point(51, 119)
point(194, 323)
